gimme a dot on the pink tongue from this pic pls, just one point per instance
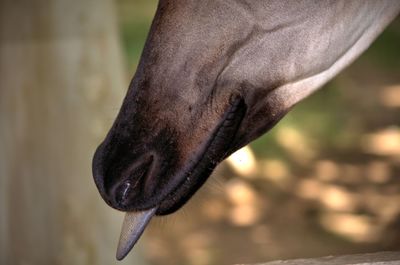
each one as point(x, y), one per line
point(132, 228)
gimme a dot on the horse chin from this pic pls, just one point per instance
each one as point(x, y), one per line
point(221, 144)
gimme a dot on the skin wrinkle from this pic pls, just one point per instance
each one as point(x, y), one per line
point(342, 56)
point(258, 30)
point(244, 8)
point(255, 34)
point(233, 49)
point(300, 78)
point(200, 54)
point(252, 49)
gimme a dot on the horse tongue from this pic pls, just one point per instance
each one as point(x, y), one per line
point(132, 228)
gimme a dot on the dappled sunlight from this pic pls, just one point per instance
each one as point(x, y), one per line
point(245, 204)
point(244, 215)
point(390, 96)
point(356, 199)
point(326, 170)
point(385, 142)
point(243, 162)
point(297, 144)
point(331, 197)
point(338, 199)
point(276, 171)
point(239, 192)
point(358, 228)
point(215, 210)
point(343, 190)
point(309, 189)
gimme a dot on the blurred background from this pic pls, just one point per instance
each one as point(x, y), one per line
point(324, 181)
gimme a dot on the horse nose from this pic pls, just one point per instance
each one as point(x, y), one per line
point(134, 183)
point(123, 192)
point(123, 180)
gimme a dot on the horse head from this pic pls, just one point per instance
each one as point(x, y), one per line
point(215, 75)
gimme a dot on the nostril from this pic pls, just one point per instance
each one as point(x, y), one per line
point(132, 183)
point(122, 193)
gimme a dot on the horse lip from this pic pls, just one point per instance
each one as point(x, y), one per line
point(215, 149)
point(187, 180)
point(219, 145)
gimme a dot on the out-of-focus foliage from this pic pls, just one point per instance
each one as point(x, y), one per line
point(135, 18)
point(325, 180)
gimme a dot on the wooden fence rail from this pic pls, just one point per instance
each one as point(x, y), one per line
point(380, 258)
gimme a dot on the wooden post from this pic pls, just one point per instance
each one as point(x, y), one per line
point(61, 83)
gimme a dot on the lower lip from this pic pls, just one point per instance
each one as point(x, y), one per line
point(214, 151)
